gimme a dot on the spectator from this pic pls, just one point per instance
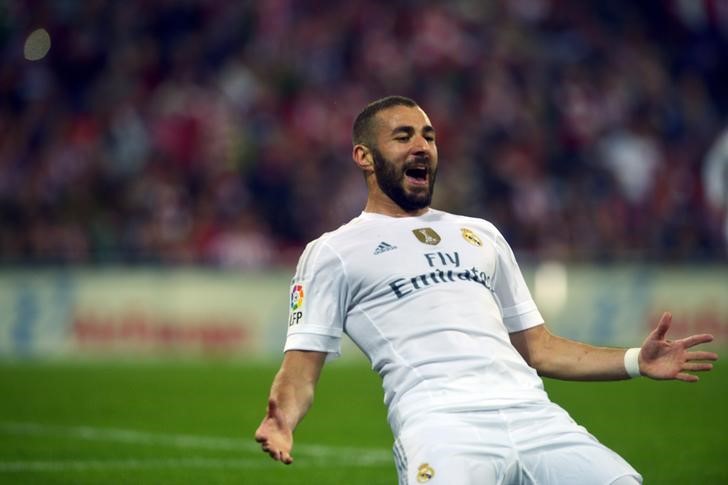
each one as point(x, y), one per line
point(156, 132)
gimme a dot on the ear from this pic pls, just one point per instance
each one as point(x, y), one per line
point(363, 157)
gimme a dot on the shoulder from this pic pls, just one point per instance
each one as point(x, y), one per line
point(329, 247)
point(474, 223)
point(341, 234)
point(481, 227)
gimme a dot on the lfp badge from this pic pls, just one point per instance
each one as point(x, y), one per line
point(296, 304)
point(296, 297)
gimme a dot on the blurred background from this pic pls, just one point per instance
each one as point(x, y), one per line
point(162, 164)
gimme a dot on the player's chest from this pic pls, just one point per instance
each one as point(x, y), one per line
point(445, 250)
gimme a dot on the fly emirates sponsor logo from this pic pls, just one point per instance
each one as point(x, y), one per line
point(445, 268)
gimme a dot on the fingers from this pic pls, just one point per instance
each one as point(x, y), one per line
point(697, 366)
point(687, 377)
point(662, 327)
point(702, 355)
point(273, 451)
point(272, 444)
point(693, 340)
point(280, 455)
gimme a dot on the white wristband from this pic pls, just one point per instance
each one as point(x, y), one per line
point(632, 362)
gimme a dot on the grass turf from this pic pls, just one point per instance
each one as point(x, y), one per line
point(183, 422)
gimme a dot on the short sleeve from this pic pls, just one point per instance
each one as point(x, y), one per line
point(517, 307)
point(317, 306)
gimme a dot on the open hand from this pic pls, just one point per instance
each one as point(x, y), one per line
point(660, 358)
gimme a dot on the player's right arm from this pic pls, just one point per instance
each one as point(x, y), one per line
point(290, 397)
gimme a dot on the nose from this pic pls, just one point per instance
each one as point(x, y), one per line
point(421, 145)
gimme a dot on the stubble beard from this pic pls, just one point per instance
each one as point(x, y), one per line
point(390, 179)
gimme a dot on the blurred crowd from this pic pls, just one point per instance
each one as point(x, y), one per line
point(218, 132)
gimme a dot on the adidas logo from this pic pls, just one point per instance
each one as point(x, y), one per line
point(383, 248)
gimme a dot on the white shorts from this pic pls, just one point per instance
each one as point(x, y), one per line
point(526, 445)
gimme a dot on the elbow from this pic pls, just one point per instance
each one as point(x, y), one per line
point(539, 353)
point(537, 361)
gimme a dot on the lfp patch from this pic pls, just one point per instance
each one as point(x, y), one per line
point(296, 297)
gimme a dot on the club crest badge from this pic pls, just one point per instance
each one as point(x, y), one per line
point(471, 237)
point(425, 473)
point(296, 297)
point(427, 235)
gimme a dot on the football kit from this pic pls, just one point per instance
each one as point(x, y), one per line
point(430, 301)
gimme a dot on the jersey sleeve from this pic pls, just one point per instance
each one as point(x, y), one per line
point(317, 308)
point(518, 308)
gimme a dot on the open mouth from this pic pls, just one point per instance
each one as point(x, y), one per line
point(417, 175)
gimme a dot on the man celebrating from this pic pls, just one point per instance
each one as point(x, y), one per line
point(438, 304)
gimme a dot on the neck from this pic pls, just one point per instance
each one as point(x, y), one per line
point(389, 208)
point(380, 203)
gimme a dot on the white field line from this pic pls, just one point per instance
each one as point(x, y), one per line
point(321, 454)
point(128, 464)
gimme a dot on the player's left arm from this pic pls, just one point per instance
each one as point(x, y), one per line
point(659, 358)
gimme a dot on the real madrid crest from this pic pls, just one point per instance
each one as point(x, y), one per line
point(471, 237)
point(427, 235)
point(424, 473)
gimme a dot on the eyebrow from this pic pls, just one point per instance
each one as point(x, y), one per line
point(409, 130)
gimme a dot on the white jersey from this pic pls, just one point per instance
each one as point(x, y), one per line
point(430, 300)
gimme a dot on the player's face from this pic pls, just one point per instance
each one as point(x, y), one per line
point(405, 158)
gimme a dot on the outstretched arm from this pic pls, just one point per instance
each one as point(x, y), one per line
point(290, 397)
point(659, 358)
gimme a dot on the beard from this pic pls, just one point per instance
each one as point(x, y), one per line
point(390, 179)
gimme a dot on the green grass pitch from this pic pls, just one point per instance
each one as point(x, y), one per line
point(185, 422)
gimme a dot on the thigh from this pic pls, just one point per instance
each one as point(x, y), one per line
point(577, 464)
point(444, 450)
point(557, 450)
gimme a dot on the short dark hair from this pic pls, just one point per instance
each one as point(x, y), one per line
point(362, 130)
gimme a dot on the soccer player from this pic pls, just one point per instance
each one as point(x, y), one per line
point(438, 304)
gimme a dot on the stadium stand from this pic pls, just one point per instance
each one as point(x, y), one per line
point(217, 133)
